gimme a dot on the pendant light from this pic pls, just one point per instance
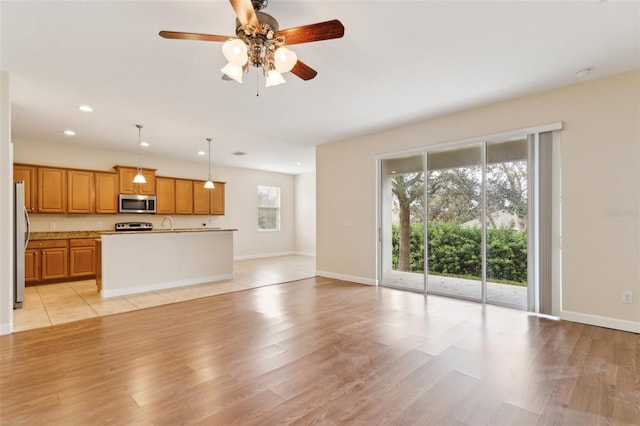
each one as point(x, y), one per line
point(139, 177)
point(209, 183)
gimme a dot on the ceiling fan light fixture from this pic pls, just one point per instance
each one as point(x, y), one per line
point(274, 78)
point(235, 50)
point(233, 71)
point(284, 59)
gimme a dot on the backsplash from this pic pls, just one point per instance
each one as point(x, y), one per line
point(95, 222)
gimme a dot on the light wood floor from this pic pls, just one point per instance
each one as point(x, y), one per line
point(50, 304)
point(320, 351)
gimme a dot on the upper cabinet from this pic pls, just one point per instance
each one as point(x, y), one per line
point(27, 174)
point(126, 175)
point(166, 193)
point(106, 185)
point(80, 191)
point(52, 190)
point(184, 196)
point(208, 201)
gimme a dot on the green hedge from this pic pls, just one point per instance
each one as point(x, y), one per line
point(456, 250)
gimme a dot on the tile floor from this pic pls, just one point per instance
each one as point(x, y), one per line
point(52, 304)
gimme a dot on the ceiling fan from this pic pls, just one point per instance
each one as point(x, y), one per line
point(260, 43)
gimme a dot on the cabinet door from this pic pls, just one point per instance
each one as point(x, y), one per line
point(28, 175)
point(201, 197)
point(31, 266)
point(80, 191)
point(52, 190)
point(217, 199)
point(82, 258)
point(54, 263)
point(106, 192)
point(166, 195)
point(126, 175)
point(184, 196)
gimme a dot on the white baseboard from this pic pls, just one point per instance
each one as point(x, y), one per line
point(5, 328)
point(263, 255)
point(354, 279)
point(305, 253)
point(163, 286)
point(607, 322)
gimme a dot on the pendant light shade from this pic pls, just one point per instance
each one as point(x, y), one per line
point(209, 183)
point(139, 177)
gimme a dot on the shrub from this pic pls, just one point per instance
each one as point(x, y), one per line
point(456, 250)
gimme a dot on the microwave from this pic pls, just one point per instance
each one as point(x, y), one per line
point(129, 203)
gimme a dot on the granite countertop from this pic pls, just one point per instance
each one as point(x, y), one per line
point(66, 235)
point(167, 231)
point(63, 235)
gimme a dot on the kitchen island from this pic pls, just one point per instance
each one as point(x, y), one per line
point(142, 261)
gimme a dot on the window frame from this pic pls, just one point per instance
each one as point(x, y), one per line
point(277, 208)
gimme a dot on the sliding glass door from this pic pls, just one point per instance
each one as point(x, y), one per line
point(454, 213)
point(457, 222)
point(402, 225)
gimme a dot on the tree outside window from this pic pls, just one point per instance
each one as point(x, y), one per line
point(268, 208)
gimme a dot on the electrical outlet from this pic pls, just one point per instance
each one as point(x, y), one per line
point(627, 297)
point(98, 225)
point(52, 225)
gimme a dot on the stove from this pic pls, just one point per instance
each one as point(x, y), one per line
point(134, 226)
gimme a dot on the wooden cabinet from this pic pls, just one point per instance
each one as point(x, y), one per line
point(47, 260)
point(82, 258)
point(217, 199)
point(126, 175)
point(201, 197)
point(106, 189)
point(80, 191)
point(166, 195)
point(184, 196)
point(52, 190)
point(208, 201)
point(31, 265)
point(28, 174)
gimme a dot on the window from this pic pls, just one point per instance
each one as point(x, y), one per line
point(268, 208)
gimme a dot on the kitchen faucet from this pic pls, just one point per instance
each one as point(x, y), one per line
point(170, 220)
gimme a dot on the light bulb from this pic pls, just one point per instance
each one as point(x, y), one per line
point(284, 59)
point(274, 78)
point(233, 71)
point(235, 50)
point(209, 184)
point(139, 178)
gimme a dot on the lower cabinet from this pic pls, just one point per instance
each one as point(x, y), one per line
point(82, 258)
point(58, 260)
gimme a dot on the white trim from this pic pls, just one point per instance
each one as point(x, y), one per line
point(263, 255)
point(558, 125)
point(163, 286)
point(305, 253)
point(607, 322)
point(351, 278)
point(6, 328)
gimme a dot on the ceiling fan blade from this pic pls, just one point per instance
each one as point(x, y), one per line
point(314, 32)
point(226, 77)
point(193, 36)
point(246, 14)
point(304, 71)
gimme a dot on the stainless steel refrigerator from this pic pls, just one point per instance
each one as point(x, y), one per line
point(21, 227)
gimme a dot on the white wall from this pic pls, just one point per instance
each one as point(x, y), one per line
point(6, 209)
point(241, 196)
point(305, 214)
point(600, 162)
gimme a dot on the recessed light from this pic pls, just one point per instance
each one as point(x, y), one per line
point(85, 108)
point(201, 153)
point(69, 132)
point(144, 144)
point(239, 153)
point(583, 73)
point(298, 164)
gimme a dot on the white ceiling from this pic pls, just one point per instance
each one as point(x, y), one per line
point(398, 62)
